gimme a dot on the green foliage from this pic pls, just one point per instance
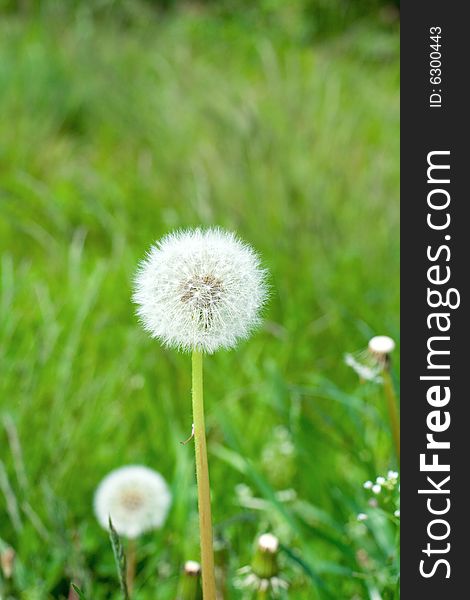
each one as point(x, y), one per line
point(299, 18)
point(119, 559)
point(80, 594)
point(114, 133)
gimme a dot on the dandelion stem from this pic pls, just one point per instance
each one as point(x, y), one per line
point(262, 594)
point(203, 487)
point(131, 564)
point(392, 409)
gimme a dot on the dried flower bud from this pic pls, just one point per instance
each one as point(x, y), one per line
point(192, 567)
point(370, 362)
point(7, 562)
point(189, 587)
point(264, 563)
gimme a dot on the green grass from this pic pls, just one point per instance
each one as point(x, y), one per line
point(115, 133)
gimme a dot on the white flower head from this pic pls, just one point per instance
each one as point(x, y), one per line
point(371, 361)
point(191, 567)
point(381, 345)
point(200, 290)
point(135, 498)
point(267, 542)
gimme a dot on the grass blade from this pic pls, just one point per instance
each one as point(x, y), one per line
point(120, 559)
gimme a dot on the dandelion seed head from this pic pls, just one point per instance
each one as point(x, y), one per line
point(397, 514)
point(368, 485)
point(136, 499)
point(380, 480)
point(200, 290)
point(381, 344)
point(376, 488)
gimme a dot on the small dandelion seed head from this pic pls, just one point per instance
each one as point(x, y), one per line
point(392, 475)
point(368, 485)
point(397, 513)
point(376, 488)
point(380, 480)
point(200, 290)
point(381, 345)
point(136, 499)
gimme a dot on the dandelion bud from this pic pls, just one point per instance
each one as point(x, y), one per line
point(264, 562)
point(370, 362)
point(189, 587)
point(263, 573)
point(7, 562)
point(192, 567)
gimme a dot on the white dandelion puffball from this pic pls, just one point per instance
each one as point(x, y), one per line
point(200, 290)
point(136, 499)
point(381, 344)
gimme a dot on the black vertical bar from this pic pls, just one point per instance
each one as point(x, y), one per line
point(431, 123)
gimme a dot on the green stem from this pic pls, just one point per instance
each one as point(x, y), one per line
point(203, 487)
point(189, 586)
point(392, 409)
point(131, 564)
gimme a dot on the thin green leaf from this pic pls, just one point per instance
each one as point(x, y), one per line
point(120, 559)
point(79, 592)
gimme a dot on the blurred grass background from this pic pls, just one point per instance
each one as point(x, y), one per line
point(121, 121)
